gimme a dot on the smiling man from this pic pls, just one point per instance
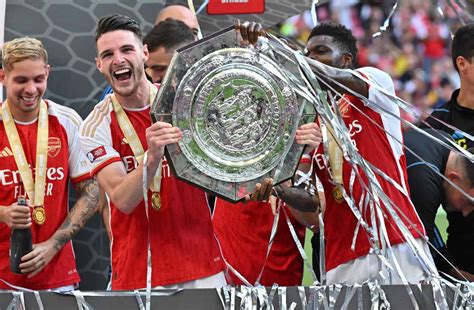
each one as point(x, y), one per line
point(115, 136)
point(39, 155)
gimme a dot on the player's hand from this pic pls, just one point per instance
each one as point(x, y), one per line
point(158, 136)
point(15, 216)
point(33, 262)
point(249, 31)
point(309, 134)
point(261, 191)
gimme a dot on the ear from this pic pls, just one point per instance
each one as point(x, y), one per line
point(461, 63)
point(47, 67)
point(98, 64)
point(146, 53)
point(454, 176)
point(347, 60)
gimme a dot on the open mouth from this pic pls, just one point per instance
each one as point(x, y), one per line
point(29, 100)
point(123, 74)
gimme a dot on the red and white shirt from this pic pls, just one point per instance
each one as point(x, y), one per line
point(182, 238)
point(243, 231)
point(382, 150)
point(66, 162)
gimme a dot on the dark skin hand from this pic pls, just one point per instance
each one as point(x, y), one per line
point(262, 191)
point(250, 31)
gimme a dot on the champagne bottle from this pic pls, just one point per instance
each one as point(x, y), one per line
point(21, 243)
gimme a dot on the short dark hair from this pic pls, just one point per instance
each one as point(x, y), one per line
point(169, 34)
point(463, 44)
point(468, 167)
point(117, 22)
point(340, 34)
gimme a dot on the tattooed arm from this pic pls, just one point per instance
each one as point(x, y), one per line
point(88, 202)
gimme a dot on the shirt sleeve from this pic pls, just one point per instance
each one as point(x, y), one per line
point(96, 140)
point(378, 99)
point(79, 166)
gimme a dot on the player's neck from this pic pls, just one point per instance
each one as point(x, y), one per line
point(466, 96)
point(139, 99)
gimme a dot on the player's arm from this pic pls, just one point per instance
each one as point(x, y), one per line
point(126, 190)
point(88, 202)
point(304, 203)
point(342, 76)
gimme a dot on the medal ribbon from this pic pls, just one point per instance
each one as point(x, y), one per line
point(132, 137)
point(35, 190)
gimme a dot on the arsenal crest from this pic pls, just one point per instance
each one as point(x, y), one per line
point(54, 146)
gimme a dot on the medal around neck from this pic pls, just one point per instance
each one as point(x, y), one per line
point(238, 112)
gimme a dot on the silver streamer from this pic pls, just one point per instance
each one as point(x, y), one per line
point(18, 302)
point(349, 295)
point(378, 298)
point(282, 298)
point(300, 247)
point(81, 301)
point(273, 291)
point(302, 295)
point(314, 15)
point(386, 23)
point(334, 291)
point(226, 293)
point(145, 199)
point(276, 218)
point(38, 300)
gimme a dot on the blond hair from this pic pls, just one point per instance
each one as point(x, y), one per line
point(21, 49)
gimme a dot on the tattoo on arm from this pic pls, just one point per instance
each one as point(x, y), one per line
point(88, 201)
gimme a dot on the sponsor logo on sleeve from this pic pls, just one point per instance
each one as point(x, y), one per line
point(96, 153)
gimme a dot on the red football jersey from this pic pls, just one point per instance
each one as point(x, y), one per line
point(65, 162)
point(381, 150)
point(243, 231)
point(182, 238)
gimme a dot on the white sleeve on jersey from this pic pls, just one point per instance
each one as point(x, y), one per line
point(70, 120)
point(385, 106)
point(95, 137)
point(384, 81)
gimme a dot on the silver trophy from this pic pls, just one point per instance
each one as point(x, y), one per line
point(238, 110)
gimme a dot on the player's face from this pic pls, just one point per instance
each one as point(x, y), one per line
point(157, 64)
point(323, 49)
point(25, 83)
point(121, 58)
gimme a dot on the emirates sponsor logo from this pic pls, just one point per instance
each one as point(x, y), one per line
point(54, 146)
point(10, 177)
point(6, 152)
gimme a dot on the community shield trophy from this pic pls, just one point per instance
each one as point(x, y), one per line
point(238, 109)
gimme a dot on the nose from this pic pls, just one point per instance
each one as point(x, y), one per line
point(30, 87)
point(118, 58)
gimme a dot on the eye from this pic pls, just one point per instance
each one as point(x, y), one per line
point(105, 55)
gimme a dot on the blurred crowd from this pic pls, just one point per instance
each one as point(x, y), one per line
point(414, 49)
